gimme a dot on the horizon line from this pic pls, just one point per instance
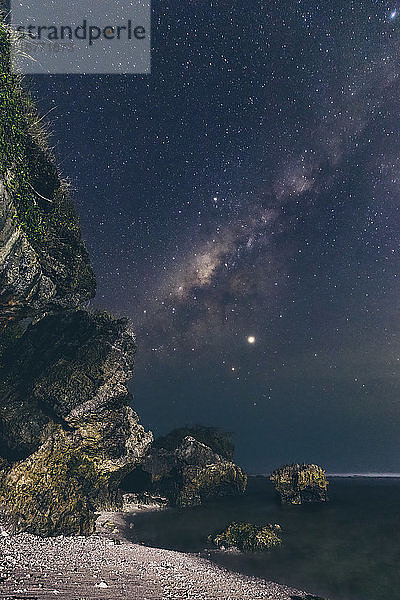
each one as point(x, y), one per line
point(365, 474)
point(372, 474)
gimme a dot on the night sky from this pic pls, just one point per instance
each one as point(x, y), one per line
point(249, 188)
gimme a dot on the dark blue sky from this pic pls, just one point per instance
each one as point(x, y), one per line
point(250, 187)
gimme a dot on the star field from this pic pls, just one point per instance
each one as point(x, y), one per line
point(241, 206)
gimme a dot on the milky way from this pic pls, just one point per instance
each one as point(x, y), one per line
point(249, 188)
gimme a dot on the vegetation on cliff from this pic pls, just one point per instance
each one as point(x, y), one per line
point(43, 262)
point(67, 432)
point(300, 483)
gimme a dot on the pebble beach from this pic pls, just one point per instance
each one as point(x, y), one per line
point(108, 566)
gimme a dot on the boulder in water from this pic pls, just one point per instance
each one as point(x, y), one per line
point(300, 483)
point(248, 537)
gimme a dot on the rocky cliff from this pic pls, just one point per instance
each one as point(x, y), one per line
point(44, 265)
point(67, 432)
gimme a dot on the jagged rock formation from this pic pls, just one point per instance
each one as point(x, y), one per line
point(188, 474)
point(248, 537)
point(44, 265)
point(67, 432)
point(299, 484)
point(219, 441)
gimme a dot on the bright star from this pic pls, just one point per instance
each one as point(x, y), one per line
point(393, 14)
point(251, 339)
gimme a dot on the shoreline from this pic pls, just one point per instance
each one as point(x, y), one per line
point(107, 565)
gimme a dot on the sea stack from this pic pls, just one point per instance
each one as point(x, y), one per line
point(300, 483)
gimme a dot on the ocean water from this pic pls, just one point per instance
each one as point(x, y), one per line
point(347, 549)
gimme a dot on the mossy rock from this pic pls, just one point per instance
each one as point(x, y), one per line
point(58, 489)
point(248, 537)
point(52, 492)
point(214, 480)
point(300, 483)
point(66, 429)
point(188, 474)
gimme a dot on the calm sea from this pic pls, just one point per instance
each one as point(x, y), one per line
point(347, 549)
